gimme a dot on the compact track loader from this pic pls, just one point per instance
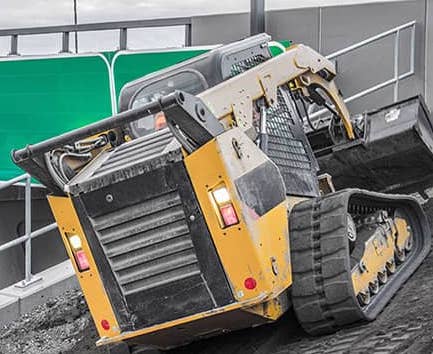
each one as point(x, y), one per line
point(198, 210)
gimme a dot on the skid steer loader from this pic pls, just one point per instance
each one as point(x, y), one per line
point(197, 209)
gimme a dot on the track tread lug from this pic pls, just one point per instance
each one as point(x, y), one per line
point(322, 290)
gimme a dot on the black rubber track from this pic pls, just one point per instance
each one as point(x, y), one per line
point(322, 291)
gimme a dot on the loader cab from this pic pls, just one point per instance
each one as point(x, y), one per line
point(192, 76)
point(287, 145)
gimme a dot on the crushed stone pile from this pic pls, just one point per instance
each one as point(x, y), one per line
point(54, 327)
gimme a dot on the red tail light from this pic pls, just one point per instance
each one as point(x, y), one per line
point(77, 250)
point(250, 283)
point(228, 214)
point(224, 207)
point(82, 261)
point(105, 325)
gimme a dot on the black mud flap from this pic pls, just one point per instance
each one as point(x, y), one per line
point(395, 153)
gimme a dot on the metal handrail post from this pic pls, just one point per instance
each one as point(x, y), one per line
point(188, 35)
point(28, 234)
point(396, 63)
point(65, 43)
point(28, 230)
point(29, 278)
point(14, 45)
point(412, 48)
point(123, 38)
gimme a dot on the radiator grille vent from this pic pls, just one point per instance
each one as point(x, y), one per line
point(136, 151)
point(148, 244)
point(124, 161)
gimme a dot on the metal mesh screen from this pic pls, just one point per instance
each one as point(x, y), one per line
point(288, 147)
point(283, 148)
point(246, 64)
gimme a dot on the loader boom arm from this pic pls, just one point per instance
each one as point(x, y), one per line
point(300, 66)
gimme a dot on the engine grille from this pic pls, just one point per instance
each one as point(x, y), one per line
point(148, 244)
point(136, 151)
point(121, 163)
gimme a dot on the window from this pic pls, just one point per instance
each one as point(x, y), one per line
point(189, 81)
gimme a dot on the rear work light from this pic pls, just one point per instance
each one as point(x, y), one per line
point(226, 212)
point(221, 195)
point(77, 250)
point(75, 242)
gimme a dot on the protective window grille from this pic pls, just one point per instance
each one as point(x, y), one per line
point(283, 148)
point(287, 145)
point(244, 65)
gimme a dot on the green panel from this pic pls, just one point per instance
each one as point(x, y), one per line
point(131, 66)
point(275, 50)
point(44, 97)
point(41, 98)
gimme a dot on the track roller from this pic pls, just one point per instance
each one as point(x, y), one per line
point(373, 286)
point(390, 266)
point(382, 276)
point(364, 297)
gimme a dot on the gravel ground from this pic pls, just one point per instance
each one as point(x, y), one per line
point(53, 327)
point(64, 325)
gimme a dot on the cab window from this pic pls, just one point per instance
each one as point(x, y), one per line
point(188, 81)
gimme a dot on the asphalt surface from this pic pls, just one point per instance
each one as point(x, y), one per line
point(64, 325)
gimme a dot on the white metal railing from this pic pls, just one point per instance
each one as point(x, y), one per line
point(122, 26)
point(28, 233)
point(397, 77)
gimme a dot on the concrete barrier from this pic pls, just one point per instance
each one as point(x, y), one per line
point(16, 301)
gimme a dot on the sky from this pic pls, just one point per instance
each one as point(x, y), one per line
point(33, 13)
